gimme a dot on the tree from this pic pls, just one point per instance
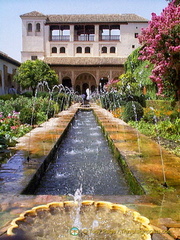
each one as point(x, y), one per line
point(31, 73)
point(175, 1)
point(161, 46)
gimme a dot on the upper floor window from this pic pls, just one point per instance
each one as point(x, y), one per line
point(59, 32)
point(79, 50)
point(109, 32)
point(104, 50)
point(62, 50)
point(136, 35)
point(54, 50)
point(87, 50)
point(29, 27)
point(38, 27)
point(112, 49)
point(84, 32)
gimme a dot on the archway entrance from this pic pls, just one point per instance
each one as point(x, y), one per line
point(85, 86)
point(103, 81)
point(85, 81)
point(66, 82)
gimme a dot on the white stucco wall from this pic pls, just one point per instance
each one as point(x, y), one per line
point(38, 44)
point(33, 43)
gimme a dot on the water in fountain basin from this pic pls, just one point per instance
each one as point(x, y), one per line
point(97, 223)
point(84, 158)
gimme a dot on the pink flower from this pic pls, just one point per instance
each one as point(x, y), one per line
point(14, 127)
point(161, 41)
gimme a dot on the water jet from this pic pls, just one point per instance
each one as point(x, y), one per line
point(98, 220)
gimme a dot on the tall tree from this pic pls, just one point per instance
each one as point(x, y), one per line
point(31, 73)
point(161, 46)
point(175, 1)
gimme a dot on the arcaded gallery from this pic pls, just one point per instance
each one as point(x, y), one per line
point(86, 51)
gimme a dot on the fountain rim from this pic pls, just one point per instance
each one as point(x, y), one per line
point(98, 204)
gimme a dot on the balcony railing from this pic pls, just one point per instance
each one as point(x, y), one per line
point(84, 38)
point(109, 38)
point(63, 38)
point(66, 38)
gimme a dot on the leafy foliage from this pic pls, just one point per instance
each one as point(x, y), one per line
point(136, 77)
point(161, 46)
point(31, 73)
point(133, 111)
point(18, 116)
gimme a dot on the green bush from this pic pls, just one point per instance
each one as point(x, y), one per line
point(41, 117)
point(3, 143)
point(27, 94)
point(133, 111)
point(46, 106)
point(8, 96)
point(28, 116)
point(159, 104)
point(20, 102)
point(43, 94)
point(6, 107)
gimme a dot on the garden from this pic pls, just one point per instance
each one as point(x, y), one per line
point(20, 113)
point(146, 96)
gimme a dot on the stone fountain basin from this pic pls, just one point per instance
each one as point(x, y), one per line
point(85, 220)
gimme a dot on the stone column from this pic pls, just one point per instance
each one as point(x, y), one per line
point(96, 33)
point(60, 77)
point(73, 79)
point(71, 33)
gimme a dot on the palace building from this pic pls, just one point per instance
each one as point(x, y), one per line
point(8, 67)
point(85, 50)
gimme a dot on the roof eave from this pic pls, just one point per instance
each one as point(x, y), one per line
point(10, 60)
point(87, 65)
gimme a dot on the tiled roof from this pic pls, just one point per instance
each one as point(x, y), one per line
point(75, 61)
point(6, 58)
point(84, 18)
point(95, 18)
point(33, 14)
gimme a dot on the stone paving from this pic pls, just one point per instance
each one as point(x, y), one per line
point(161, 205)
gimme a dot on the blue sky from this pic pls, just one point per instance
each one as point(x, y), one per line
point(10, 10)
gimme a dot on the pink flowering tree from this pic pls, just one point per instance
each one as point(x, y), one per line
point(161, 46)
point(111, 85)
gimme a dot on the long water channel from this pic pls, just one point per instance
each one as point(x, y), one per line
point(84, 158)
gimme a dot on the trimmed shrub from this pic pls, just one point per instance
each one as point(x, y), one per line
point(133, 111)
point(27, 94)
point(26, 116)
point(8, 96)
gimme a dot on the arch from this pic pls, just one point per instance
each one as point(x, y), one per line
point(87, 50)
point(85, 86)
point(9, 81)
point(29, 27)
point(112, 50)
point(54, 49)
point(93, 88)
point(79, 50)
point(85, 80)
point(78, 89)
point(38, 27)
point(103, 81)
point(104, 50)
point(66, 82)
point(62, 50)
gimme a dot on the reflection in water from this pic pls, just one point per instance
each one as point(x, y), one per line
point(84, 158)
